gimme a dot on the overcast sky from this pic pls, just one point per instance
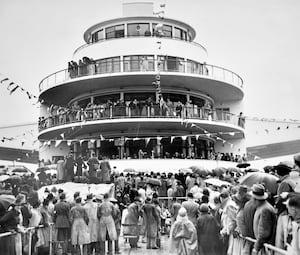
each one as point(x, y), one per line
point(257, 39)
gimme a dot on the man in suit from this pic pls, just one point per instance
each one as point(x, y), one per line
point(192, 208)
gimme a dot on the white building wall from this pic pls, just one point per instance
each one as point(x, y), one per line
point(47, 152)
point(238, 147)
point(142, 46)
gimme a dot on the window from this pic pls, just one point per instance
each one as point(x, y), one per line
point(194, 67)
point(167, 30)
point(138, 63)
point(114, 32)
point(223, 114)
point(171, 64)
point(108, 65)
point(97, 36)
point(138, 29)
point(180, 34)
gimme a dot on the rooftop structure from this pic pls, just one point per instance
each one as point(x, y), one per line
point(141, 87)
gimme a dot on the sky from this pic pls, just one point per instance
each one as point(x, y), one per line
point(257, 39)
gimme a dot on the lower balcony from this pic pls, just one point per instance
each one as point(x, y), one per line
point(153, 120)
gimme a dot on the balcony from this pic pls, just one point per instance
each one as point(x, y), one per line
point(149, 119)
point(220, 83)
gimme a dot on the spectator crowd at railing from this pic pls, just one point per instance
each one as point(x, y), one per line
point(198, 211)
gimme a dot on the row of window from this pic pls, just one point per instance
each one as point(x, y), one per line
point(139, 29)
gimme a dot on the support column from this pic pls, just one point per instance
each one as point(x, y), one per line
point(158, 147)
point(184, 147)
point(190, 146)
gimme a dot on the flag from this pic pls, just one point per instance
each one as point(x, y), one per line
point(10, 84)
point(147, 140)
point(57, 143)
point(3, 80)
point(29, 95)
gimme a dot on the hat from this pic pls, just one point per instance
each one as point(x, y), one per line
point(243, 189)
point(113, 200)
point(20, 199)
point(282, 169)
point(297, 157)
point(99, 197)
point(258, 192)
point(204, 208)
point(62, 196)
point(89, 196)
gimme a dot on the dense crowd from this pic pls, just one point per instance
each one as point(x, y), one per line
point(196, 217)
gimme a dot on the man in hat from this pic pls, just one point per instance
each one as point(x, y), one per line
point(264, 221)
point(207, 231)
point(297, 161)
point(286, 184)
point(293, 206)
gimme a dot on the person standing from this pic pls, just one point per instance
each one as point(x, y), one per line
point(70, 163)
point(131, 222)
point(105, 171)
point(93, 164)
point(117, 219)
point(62, 222)
point(79, 165)
point(106, 213)
point(192, 208)
point(293, 206)
point(151, 221)
point(264, 221)
point(79, 220)
point(60, 170)
point(207, 232)
point(93, 225)
point(183, 235)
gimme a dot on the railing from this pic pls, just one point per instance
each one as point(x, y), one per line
point(108, 66)
point(269, 249)
point(125, 112)
point(135, 36)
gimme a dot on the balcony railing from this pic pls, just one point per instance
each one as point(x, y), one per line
point(108, 66)
point(124, 112)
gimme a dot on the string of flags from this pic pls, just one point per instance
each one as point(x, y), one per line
point(13, 87)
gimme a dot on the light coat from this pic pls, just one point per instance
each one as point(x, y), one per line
point(106, 214)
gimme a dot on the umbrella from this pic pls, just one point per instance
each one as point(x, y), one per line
point(217, 182)
point(234, 169)
point(42, 168)
point(200, 170)
point(185, 170)
point(269, 180)
point(154, 181)
point(7, 200)
point(242, 165)
point(219, 171)
point(4, 177)
point(129, 170)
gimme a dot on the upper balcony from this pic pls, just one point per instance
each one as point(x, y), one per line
point(151, 120)
point(134, 71)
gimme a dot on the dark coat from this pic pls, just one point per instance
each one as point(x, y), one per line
point(61, 215)
point(151, 220)
point(208, 234)
point(247, 219)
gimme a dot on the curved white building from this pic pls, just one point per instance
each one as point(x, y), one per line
point(110, 103)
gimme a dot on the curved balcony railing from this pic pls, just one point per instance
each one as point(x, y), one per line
point(68, 116)
point(108, 66)
point(136, 36)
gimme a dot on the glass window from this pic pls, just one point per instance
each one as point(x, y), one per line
point(167, 31)
point(223, 114)
point(194, 67)
point(180, 33)
point(138, 63)
point(171, 64)
point(138, 29)
point(108, 65)
point(97, 36)
point(114, 32)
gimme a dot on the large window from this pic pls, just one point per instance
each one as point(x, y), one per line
point(138, 63)
point(138, 29)
point(108, 65)
point(180, 34)
point(194, 67)
point(114, 31)
point(171, 64)
point(97, 36)
point(166, 30)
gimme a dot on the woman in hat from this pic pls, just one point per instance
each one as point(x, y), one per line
point(237, 243)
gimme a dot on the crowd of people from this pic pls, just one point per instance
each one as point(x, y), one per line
point(195, 218)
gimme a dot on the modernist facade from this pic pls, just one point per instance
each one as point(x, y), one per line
point(141, 86)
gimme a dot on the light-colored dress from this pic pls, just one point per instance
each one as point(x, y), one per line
point(79, 230)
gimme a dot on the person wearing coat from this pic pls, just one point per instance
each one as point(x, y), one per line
point(79, 220)
point(69, 165)
point(93, 225)
point(151, 221)
point(107, 229)
point(62, 221)
point(207, 232)
point(131, 221)
point(192, 208)
point(117, 219)
point(105, 171)
point(183, 235)
point(264, 221)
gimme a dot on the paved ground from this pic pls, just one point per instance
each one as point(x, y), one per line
point(126, 250)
